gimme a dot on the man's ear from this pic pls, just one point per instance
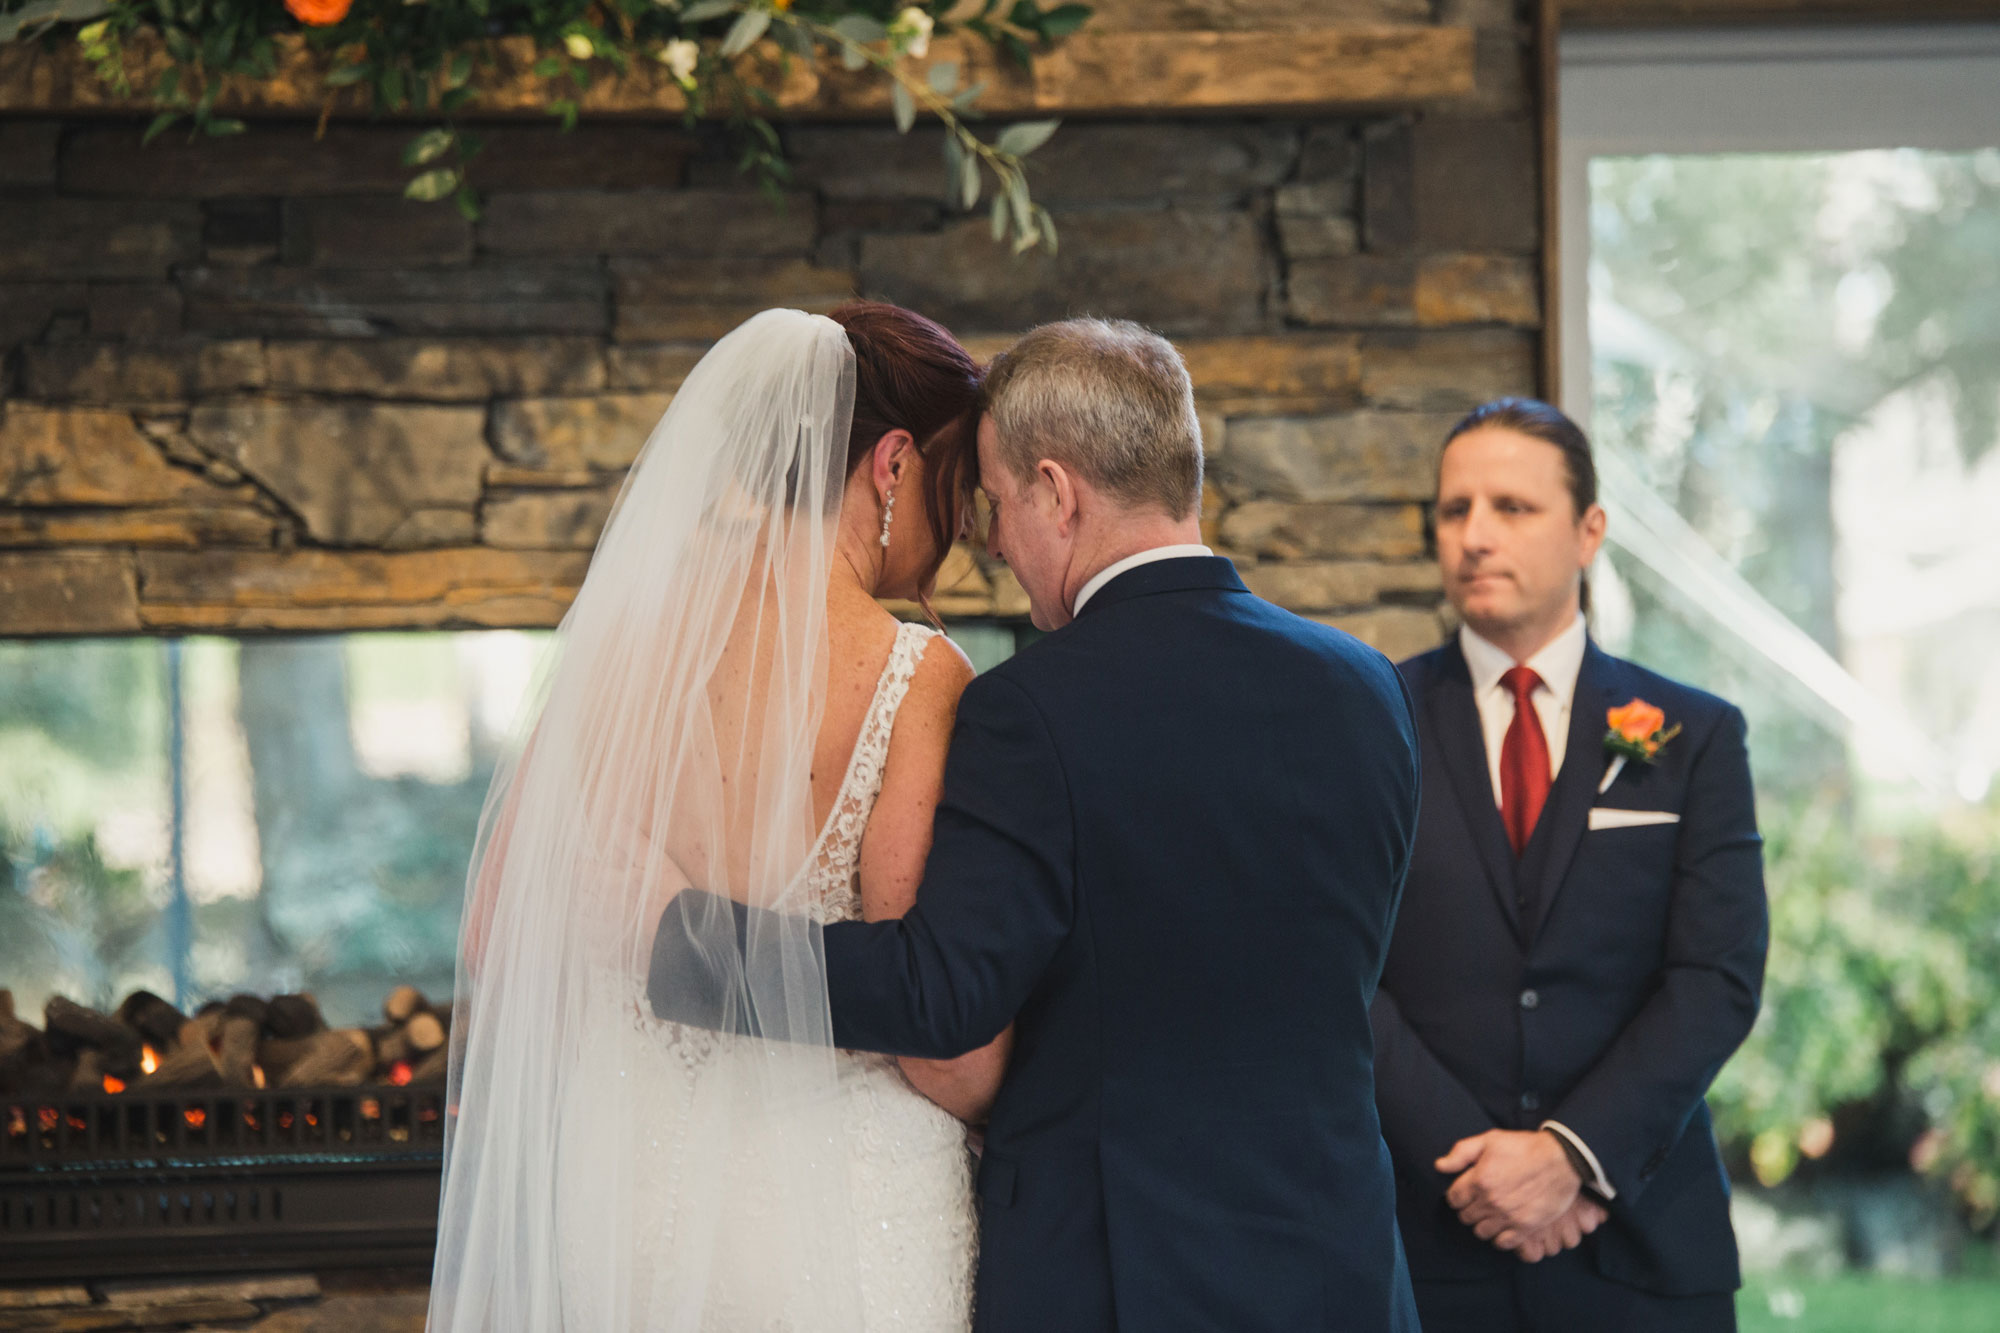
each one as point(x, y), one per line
point(1592, 533)
point(1062, 491)
point(891, 460)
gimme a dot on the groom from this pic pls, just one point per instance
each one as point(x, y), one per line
point(1170, 847)
point(1582, 941)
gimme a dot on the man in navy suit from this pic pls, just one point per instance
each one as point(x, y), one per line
point(1582, 937)
point(1169, 849)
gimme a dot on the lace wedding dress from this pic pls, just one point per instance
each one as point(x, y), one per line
point(908, 1176)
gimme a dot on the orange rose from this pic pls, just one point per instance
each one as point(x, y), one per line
point(319, 13)
point(1637, 721)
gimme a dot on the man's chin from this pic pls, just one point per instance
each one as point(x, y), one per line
point(1488, 617)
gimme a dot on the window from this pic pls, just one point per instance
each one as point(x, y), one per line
point(1781, 324)
point(204, 816)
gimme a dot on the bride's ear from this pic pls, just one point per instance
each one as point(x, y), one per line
point(892, 458)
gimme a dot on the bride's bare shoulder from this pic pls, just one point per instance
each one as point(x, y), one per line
point(943, 670)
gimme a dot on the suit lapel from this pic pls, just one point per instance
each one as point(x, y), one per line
point(1455, 727)
point(1552, 846)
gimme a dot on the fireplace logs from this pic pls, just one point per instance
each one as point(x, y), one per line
point(244, 1042)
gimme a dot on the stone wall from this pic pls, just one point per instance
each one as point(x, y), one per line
point(247, 387)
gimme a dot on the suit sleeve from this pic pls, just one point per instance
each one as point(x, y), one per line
point(996, 900)
point(1633, 1104)
point(1423, 1107)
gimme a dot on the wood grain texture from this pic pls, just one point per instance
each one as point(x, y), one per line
point(1653, 13)
point(1091, 72)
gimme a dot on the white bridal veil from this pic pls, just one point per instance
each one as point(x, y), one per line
point(597, 1160)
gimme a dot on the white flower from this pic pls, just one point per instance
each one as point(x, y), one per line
point(911, 32)
point(680, 57)
point(579, 46)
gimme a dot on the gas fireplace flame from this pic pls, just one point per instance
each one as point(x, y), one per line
point(257, 1075)
point(113, 1084)
point(149, 1059)
point(400, 1073)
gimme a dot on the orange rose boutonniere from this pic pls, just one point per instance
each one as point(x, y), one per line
point(319, 13)
point(1638, 731)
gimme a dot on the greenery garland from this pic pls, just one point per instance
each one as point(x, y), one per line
point(424, 55)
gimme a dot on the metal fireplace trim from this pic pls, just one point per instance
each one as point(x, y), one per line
point(99, 1185)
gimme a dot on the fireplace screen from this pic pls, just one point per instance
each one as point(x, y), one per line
point(206, 817)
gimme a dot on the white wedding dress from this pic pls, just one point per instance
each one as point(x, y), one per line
point(607, 1172)
point(915, 1235)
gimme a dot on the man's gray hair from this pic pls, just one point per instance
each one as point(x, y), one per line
point(1107, 399)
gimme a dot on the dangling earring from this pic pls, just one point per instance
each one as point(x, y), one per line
point(888, 513)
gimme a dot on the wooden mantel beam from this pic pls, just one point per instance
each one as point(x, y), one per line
point(1709, 13)
point(1090, 73)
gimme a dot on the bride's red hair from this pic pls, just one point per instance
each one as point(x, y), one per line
point(912, 375)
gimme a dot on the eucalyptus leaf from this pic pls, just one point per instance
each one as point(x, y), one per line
point(342, 75)
point(218, 126)
point(968, 182)
point(1000, 216)
point(1017, 202)
point(432, 185)
point(860, 28)
point(1025, 137)
point(467, 200)
point(746, 30)
point(159, 124)
point(851, 59)
point(1047, 226)
point(964, 102)
point(943, 77)
point(703, 10)
point(427, 147)
point(904, 106)
point(45, 12)
point(1063, 20)
point(798, 39)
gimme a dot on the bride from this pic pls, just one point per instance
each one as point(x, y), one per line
point(728, 707)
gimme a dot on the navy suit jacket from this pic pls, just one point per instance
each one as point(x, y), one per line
point(1169, 848)
point(1600, 981)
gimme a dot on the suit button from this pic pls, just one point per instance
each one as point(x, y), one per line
point(1530, 1102)
point(1529, 999)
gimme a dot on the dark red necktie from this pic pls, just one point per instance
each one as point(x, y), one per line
point(1524, 761)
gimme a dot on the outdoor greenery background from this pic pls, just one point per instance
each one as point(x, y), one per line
point(1767, 316)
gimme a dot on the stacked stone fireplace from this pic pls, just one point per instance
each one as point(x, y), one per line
point(249, 389)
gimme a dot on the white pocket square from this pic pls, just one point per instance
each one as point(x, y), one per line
point(1604, 817)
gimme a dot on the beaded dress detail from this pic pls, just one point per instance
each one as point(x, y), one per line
point(909, 1175)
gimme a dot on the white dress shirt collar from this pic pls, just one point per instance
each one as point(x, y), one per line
point(1113, 570)
point(1558, 663)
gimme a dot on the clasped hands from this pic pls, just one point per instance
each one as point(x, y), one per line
point(1519, 1190)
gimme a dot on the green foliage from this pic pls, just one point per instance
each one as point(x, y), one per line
point(1867, 1303)
point(1884, 982)
point(96, 698)
point(67, 916)
point(422, 56)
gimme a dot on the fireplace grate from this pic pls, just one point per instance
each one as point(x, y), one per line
point(110, 1185)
